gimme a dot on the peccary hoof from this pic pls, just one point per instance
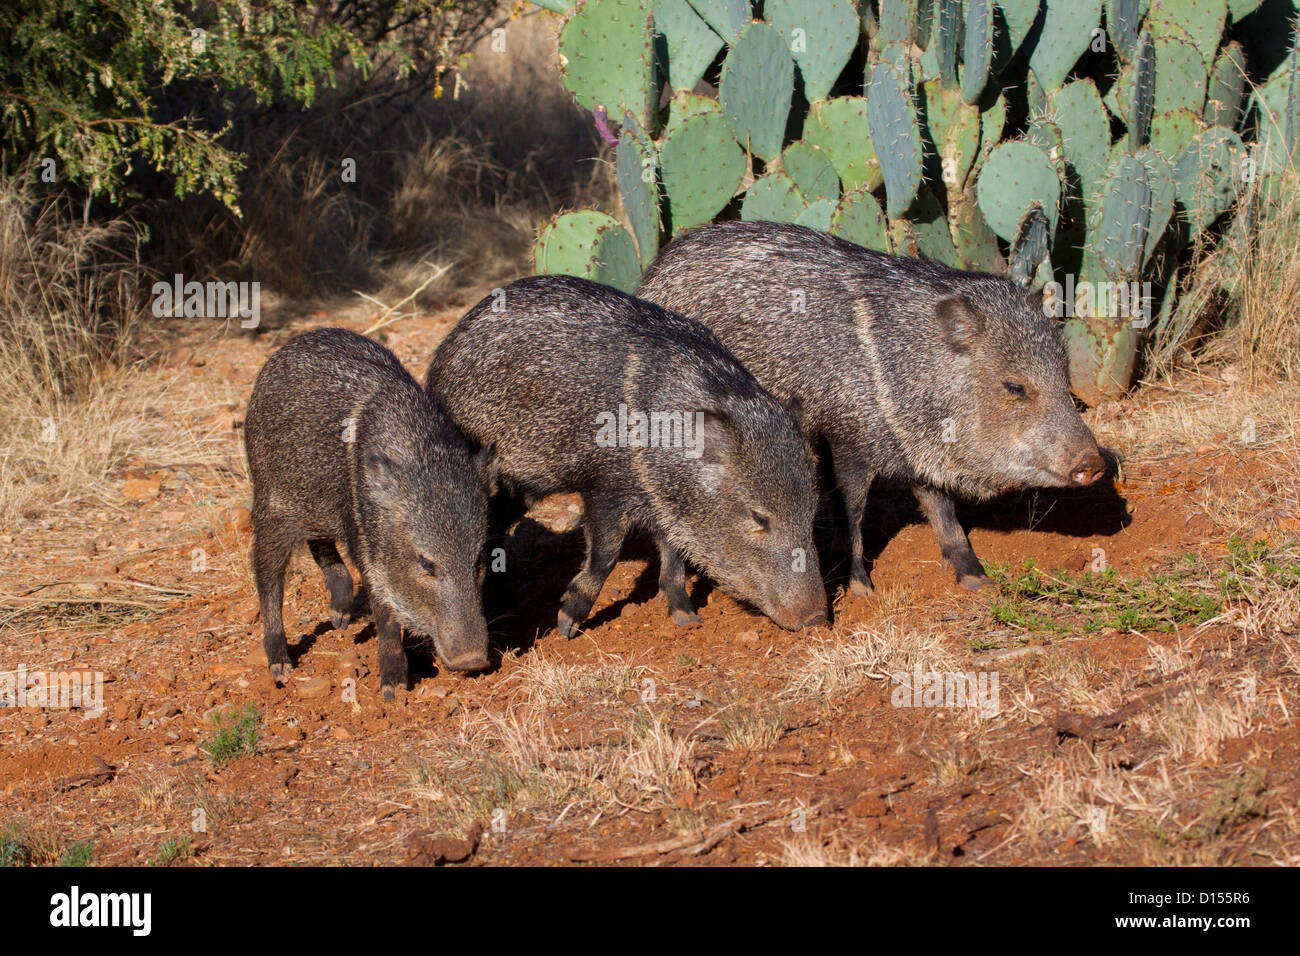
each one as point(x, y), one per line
point(566, 625)
point(280, 672)
point(973, 582)
point(387, 692)
point(340, 619)
point(684, 618)
point(861, 588)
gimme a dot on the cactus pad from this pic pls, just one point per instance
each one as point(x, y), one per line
point(691, 42)
point(702, 166)
point(636, 166)
point(606, 56)
point(977, 50)
point(1208, 175)
point(589, 244)
point(859, 218)
point(891, 116)
point(838, 127)
point(821, 34)
point(811, 170)
point(1085, 130)
point(757, 82)
point(773, 198)
point(1016, 176)
point(727, 17)
point(1067, 31)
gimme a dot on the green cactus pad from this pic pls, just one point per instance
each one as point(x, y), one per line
point(897, 23)
point(1208, 175)
point(977, 50)
point(929, 229)
point(811, 170)
point(1118, 233)
point(1226, 92)
point(702, 166)
point(992, 121)
point(1016, 176)
point(954, 127)
point(818, 215)
point(773, 198)
point(1047, 136)
point(691, 42)
point(727, 17)
point(1180, 80)
point(1199, 22)
point(859, 218)
point(685, 105)
point(947, 24)
point(1123, 18)
point(976, 243)
point(891, 116)
point(1067, 31)
point(1242, 8)
point(1030, 246)
point(1085, 128)
point(1171, 132)
point(1020, 15)
point(1160, 175)
point(636, 165)
point(606, 56)
point(838, 127)
point(589, 244)
point(757, 82)
point(821, 34)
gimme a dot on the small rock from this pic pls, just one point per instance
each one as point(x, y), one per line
point(313, 688)
point(238, 519)
point(141, 489)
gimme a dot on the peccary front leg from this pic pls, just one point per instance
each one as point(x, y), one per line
point(272, 546)
point(953, 543)
point(392, 656)
point(672, 585)
point(337, 579)
point(854, 479)
point(604, 532)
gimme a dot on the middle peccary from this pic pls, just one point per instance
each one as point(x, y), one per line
point(555, 372)
point(953, 382)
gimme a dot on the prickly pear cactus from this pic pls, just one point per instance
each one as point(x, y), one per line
point(972, 132)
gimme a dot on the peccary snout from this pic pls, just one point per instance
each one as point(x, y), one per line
point(1089, 467)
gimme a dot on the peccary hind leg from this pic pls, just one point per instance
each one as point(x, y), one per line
point(854, 480)
point(272, 545)
point(672, 584)
point(953, 543)
point(604, 533)
point(392, 656)
point(337, 579)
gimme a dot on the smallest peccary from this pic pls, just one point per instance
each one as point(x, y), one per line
point(343, 445)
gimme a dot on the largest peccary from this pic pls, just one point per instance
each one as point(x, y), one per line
point(343, 445)
point(555, 371)
point(952, 381)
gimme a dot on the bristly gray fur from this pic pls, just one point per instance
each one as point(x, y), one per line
point(345, 447)
point(906, 368)
point(533, 379)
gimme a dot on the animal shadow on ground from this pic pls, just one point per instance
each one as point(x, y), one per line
point(1096, 511)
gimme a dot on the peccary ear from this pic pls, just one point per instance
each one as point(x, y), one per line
point(381, 473)
point(489, 467)
point(795, 408)
point(716, 440)
point(960, 323)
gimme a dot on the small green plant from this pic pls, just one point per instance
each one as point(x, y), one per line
point(78, 854)
point(14, 850)
point(236, 736)
point(173, 849)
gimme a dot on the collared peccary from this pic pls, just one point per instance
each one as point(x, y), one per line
point(584, 389)
point(344, 446)
point(952, 381)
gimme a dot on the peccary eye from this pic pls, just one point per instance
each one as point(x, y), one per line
point(762, 524)
point(429, 567)
point(1012, 388)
